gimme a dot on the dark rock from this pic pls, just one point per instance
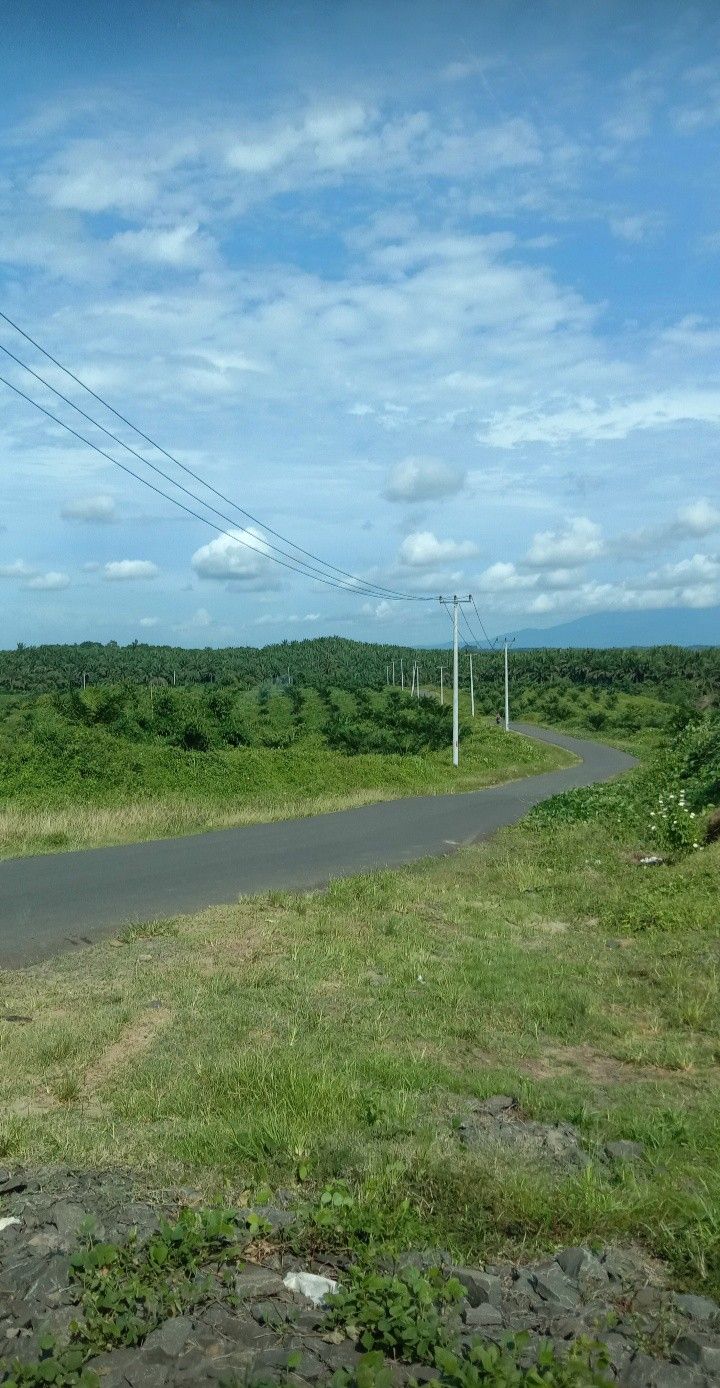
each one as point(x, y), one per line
point(552, 1285)
point(627, 1268)
point(482, 1315)
point(422, 1259)
point(480, 1287)
point(496, 1104)
point(696, 1347)
point(278, 1219)
point(169, 1340)
point(697, 1308)
point(642, 1371)
point(254, 1283)
point(67, 1218)
point(555, 1144)
point(624, 1150)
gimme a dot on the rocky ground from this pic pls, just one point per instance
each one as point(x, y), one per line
point(252, 1328)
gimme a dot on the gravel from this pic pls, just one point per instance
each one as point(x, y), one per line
point(654, 1337)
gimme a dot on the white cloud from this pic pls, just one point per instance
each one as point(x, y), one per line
point(179, 246)
point(101, 509)
point(423, 479)
point(52, 582)
point(238, 557)
point(201, 618)
point(422, 548)
point(578, 543)
point(585, 419)
point(292, 618)
point(694, 521)
point(18, 569)
point(149, 622)
point(127, 570)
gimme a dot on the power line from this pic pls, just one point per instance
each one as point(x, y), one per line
point(369, 587)
point(491, 644)
point(354, 587)
point(300, 564)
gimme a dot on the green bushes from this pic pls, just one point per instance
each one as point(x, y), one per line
point(662, 802)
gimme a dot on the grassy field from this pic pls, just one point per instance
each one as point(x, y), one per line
point(112, 767)
point(341, 1034)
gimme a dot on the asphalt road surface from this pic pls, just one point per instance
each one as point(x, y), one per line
point(61, 901)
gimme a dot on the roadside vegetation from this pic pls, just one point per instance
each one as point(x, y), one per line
point(118, 763)
point(336, 1042)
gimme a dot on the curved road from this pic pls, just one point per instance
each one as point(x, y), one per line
point(63, 900)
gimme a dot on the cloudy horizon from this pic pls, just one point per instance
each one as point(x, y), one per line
point(432, 290)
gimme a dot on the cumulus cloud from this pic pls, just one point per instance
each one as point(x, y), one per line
point(18, 569)
point(423, 479)
point(422, 548)
point(149, 621)
point(240, 557)
point(92, 509)
point(51, 582)
point(580, 542)
point(694, 521)
point(127, 570)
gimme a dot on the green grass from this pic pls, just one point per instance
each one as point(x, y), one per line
point(76, 773)
point(338, 1034)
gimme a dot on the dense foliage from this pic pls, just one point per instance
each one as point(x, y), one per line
point(672, 672)
point(663, 802)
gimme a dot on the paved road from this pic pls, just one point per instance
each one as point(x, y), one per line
point(64, 900)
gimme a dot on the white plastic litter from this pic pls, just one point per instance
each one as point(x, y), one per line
point(6, 1221)
point(309, 1284)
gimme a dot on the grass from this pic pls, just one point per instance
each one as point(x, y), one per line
point(339, 1034)
point(64, 786)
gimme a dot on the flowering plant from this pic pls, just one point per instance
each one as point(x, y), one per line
point(673, 825)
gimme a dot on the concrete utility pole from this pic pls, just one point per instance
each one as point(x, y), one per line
point(387, 674)
point(472, 689)
point(84, 679)
point(402, 674)
point(442, 668)
point(506, 645)
point(393, 672)
point(412, 687)
point(417, 686)
point(456, 603)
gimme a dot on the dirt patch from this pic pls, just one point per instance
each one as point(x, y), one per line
point(134, 1040)
point(591, 1064)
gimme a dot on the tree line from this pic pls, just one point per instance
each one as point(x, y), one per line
point(673, 672)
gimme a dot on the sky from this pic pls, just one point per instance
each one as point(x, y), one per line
point(430, 288)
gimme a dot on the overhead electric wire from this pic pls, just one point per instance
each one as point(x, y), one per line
point(355, 587)
point(491, 644)
point(300, 565)
point(376, 589)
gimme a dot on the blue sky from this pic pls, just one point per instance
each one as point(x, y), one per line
point(430, 288)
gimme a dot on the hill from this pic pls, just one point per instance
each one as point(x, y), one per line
point(666, 626)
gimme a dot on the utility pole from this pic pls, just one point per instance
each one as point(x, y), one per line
point(472, 689)
point(402, 674)
point(174, 678)
point(393, 672)
point(417, 686)
point(507, 644)
point(441, 668)
point(412, 688)
point(456, 604)
point(84, 673)
point(387, 674)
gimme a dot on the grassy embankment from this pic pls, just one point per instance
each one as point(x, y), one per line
point(340, 1033)
point(117, 765)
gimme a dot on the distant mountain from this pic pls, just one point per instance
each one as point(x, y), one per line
point(665, 626)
